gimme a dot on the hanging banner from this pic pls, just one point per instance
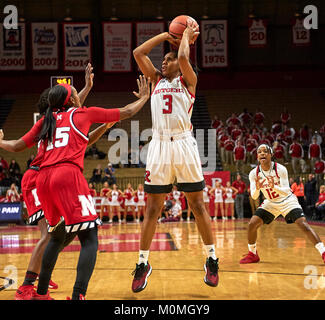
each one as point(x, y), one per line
point(214, 39)
point(300, 35)
point(147, 30)
point(45, 45)
point(257, 33)
point(117, 38)
point(13, 48)
point(77, 46)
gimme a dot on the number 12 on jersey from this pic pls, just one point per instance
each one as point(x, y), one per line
point(168, 103)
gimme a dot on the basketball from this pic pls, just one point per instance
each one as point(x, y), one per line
point(179, 24)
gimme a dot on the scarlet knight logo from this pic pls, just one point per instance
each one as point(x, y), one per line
point(214, 33)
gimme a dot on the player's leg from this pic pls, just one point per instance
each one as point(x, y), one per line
point(215, 215)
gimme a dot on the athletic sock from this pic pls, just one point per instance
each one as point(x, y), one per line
point(211, 251)
point(30, 278)
point(320, 247)
point(252, 248)
point(143, 256)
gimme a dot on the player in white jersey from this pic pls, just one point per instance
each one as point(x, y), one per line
point(218, 192)
point(173, 152)
point(272, 179)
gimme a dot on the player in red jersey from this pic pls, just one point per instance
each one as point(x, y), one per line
point(62, 189)
point(34, 207)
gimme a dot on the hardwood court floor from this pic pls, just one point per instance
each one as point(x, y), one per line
point(289, 265)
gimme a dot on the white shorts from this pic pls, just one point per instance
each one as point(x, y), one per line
point(128, 203)
point(141, 203)
point(229, 200)
point(170, 158)
point(114, 203)
point(105, 202)
point(289, 205)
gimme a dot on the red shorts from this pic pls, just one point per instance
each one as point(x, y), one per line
point(28, 187)
point(64, 193)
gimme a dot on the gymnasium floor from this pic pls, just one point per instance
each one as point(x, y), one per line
point(290, 267)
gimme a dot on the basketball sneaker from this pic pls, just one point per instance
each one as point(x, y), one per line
point(323, 256)
point(211, 268)
point(52, 284)
point(250, 258)
point(36, 296)
point(24, 292)
point(141, 274)
point(81, 297)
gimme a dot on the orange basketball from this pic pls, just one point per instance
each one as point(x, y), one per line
point(179, 24)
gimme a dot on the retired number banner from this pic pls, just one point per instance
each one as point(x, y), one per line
point(77, 46)
point(214, 39)
point(45, 45)
point(117, 37)
point(257, 33)
point(300, 35)
point(13, 48)
point(147, 30)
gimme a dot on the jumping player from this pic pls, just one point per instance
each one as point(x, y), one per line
point(62, 189)
point(272, 179)
point(173, 151)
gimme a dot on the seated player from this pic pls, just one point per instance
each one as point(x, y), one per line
point(272, 179)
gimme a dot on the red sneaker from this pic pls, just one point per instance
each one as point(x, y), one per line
point(52, 285)
point(250, 258)
point(24, 292)
point(323, 256)
point(141, 274)
point(81, 297)
point(211, 268)
point(36, 296)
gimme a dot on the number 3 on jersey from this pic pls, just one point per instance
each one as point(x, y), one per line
point(61, 138)
point(168, 103)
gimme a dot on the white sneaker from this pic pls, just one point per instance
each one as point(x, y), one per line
point(120, 221)
point(110, 221)
point(233, 218)
point(137, 220)
point(188, 219)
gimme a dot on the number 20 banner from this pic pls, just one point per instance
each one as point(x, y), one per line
point(257, 33)
point(214, 39)
point(45, 45)
point(77, 46)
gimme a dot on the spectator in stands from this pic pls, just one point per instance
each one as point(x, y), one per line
point(310, 193)
point(233, 120)
point(216, 122)
point(297, 154)
point(29, 161)
point(12, 194)
point(318, 137)
point(2, 175)
point(239, 184)
point(278, 152)
point(14, 172)
point(175, 212)
point(93, 192)
point(285, 116)
point(97, 175)
point(314, 153)
point(109, 175)
point(251, 147)
point(276, 127)
point(229, 148)
point(320, 204)
point(245, 117)
point(288, 133)
point(298, 190)
point(222, 137)
point(94, 153)
point(104, 203)
point(305, 134)
point(258, 117)
point(239, 153)
point(236, 132)
point(291, 181)
point(256, 135)
point(319, 171)
point(4, 164)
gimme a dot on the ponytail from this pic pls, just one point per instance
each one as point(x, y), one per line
point(49, 126)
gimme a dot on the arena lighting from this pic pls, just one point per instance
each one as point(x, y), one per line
point(68, 15)
point(205, 13)
point(159, 14)
point(113, 17)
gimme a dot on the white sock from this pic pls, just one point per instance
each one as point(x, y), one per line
point(320, 247)
point(143, 256)
point(252, 248)
point(211, 251)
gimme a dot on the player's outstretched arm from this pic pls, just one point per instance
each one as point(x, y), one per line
point(89, 82)
point(95, 135)
point(143, 95)
point(12, 145)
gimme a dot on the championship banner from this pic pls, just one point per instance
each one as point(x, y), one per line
point(257, 33)
point(117, 37)
point(45, 46)
point(300, 35)
point(13, 48)
point(147, 30)
point(214, 39)
point(77, 46)
point(210, 179)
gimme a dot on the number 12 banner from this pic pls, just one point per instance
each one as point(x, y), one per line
point(300, 35)
point(214, 39)
point(77, 46)
point(257, 32)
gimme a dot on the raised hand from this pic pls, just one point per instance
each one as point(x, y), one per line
point(191, 32)
point(89, 76)
point(1, 134)
point(144, 88)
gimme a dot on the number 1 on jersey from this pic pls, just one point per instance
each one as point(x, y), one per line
point(168, 103)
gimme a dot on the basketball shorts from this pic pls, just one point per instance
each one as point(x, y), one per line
point(64, 194)
point(290, 209)
point(173, 158)
point(33, 205)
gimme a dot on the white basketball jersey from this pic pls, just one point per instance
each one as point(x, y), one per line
point(171, 107)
